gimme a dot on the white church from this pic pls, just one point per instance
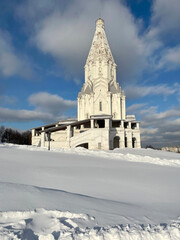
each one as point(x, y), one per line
point(102, 122)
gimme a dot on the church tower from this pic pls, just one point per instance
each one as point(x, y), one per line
point(101, 94)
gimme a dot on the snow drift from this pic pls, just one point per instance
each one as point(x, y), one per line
point(82, 194)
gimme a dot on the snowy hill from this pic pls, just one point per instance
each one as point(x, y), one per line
point(83, 194)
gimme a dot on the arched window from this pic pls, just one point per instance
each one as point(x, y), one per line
point(100, 106)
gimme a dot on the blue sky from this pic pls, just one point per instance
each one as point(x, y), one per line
point(44, 45)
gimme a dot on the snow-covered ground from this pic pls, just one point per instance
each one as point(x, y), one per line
point(83, 194)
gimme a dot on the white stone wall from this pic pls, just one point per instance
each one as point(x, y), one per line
point(97, 138)
point(36, 141)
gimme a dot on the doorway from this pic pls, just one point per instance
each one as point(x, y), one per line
point(116, 141)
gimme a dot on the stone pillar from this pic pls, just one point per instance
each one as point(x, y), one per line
point(92, 123)
point(129, 125)
point(129, 139)
point(137, 125)
point(33, 132)
point(138, 141)
point(118, 114)
point(69, 135)
point(42, 137)
point(122, 138)
point(123, 109)
point(107, 123)
point(122, 124)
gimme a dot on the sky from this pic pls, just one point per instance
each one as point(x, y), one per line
point(43, 49)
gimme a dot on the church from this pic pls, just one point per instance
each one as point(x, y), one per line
point(101, 121)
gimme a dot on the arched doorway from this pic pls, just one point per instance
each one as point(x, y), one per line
point(116, 141)
point(133, 142)
point(84, 145)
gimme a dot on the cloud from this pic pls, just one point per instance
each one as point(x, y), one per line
point(165, 19)
point(12, 63)
point(9, 115)
point(170, 59)
point(65, 31)
point(138, 91)
point(162, 37)
point(47, 108)
point(158, 128)
point(133, 108)
point(50, 103)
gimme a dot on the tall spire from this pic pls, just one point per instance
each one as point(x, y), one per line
point(100, 48)
point(101, 93)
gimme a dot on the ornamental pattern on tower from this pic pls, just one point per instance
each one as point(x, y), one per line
point(100, 48)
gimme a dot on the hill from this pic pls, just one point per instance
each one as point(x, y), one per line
point(83, 194)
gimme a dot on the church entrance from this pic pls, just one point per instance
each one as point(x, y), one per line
point(116, 141)
point(84, 145)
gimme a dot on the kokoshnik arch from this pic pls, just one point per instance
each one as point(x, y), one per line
point(102, 121)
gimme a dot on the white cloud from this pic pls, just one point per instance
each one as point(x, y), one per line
point(10, 62)
point(9, 115)
point(149, 131)
point(170, 59)
point(162, 36)
point(48, 108)
point(133, 108)
point(50, 103)
point(65, 31)
point(158, 128)
point(135, 91)
point(165, 19)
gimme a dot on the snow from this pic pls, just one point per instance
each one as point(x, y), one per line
point(83, 194)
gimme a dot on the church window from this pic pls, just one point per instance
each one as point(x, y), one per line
point(100, 106)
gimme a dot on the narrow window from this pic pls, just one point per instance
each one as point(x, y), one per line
point(100, 106)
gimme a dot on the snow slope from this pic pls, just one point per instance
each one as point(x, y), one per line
point(82, 194)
